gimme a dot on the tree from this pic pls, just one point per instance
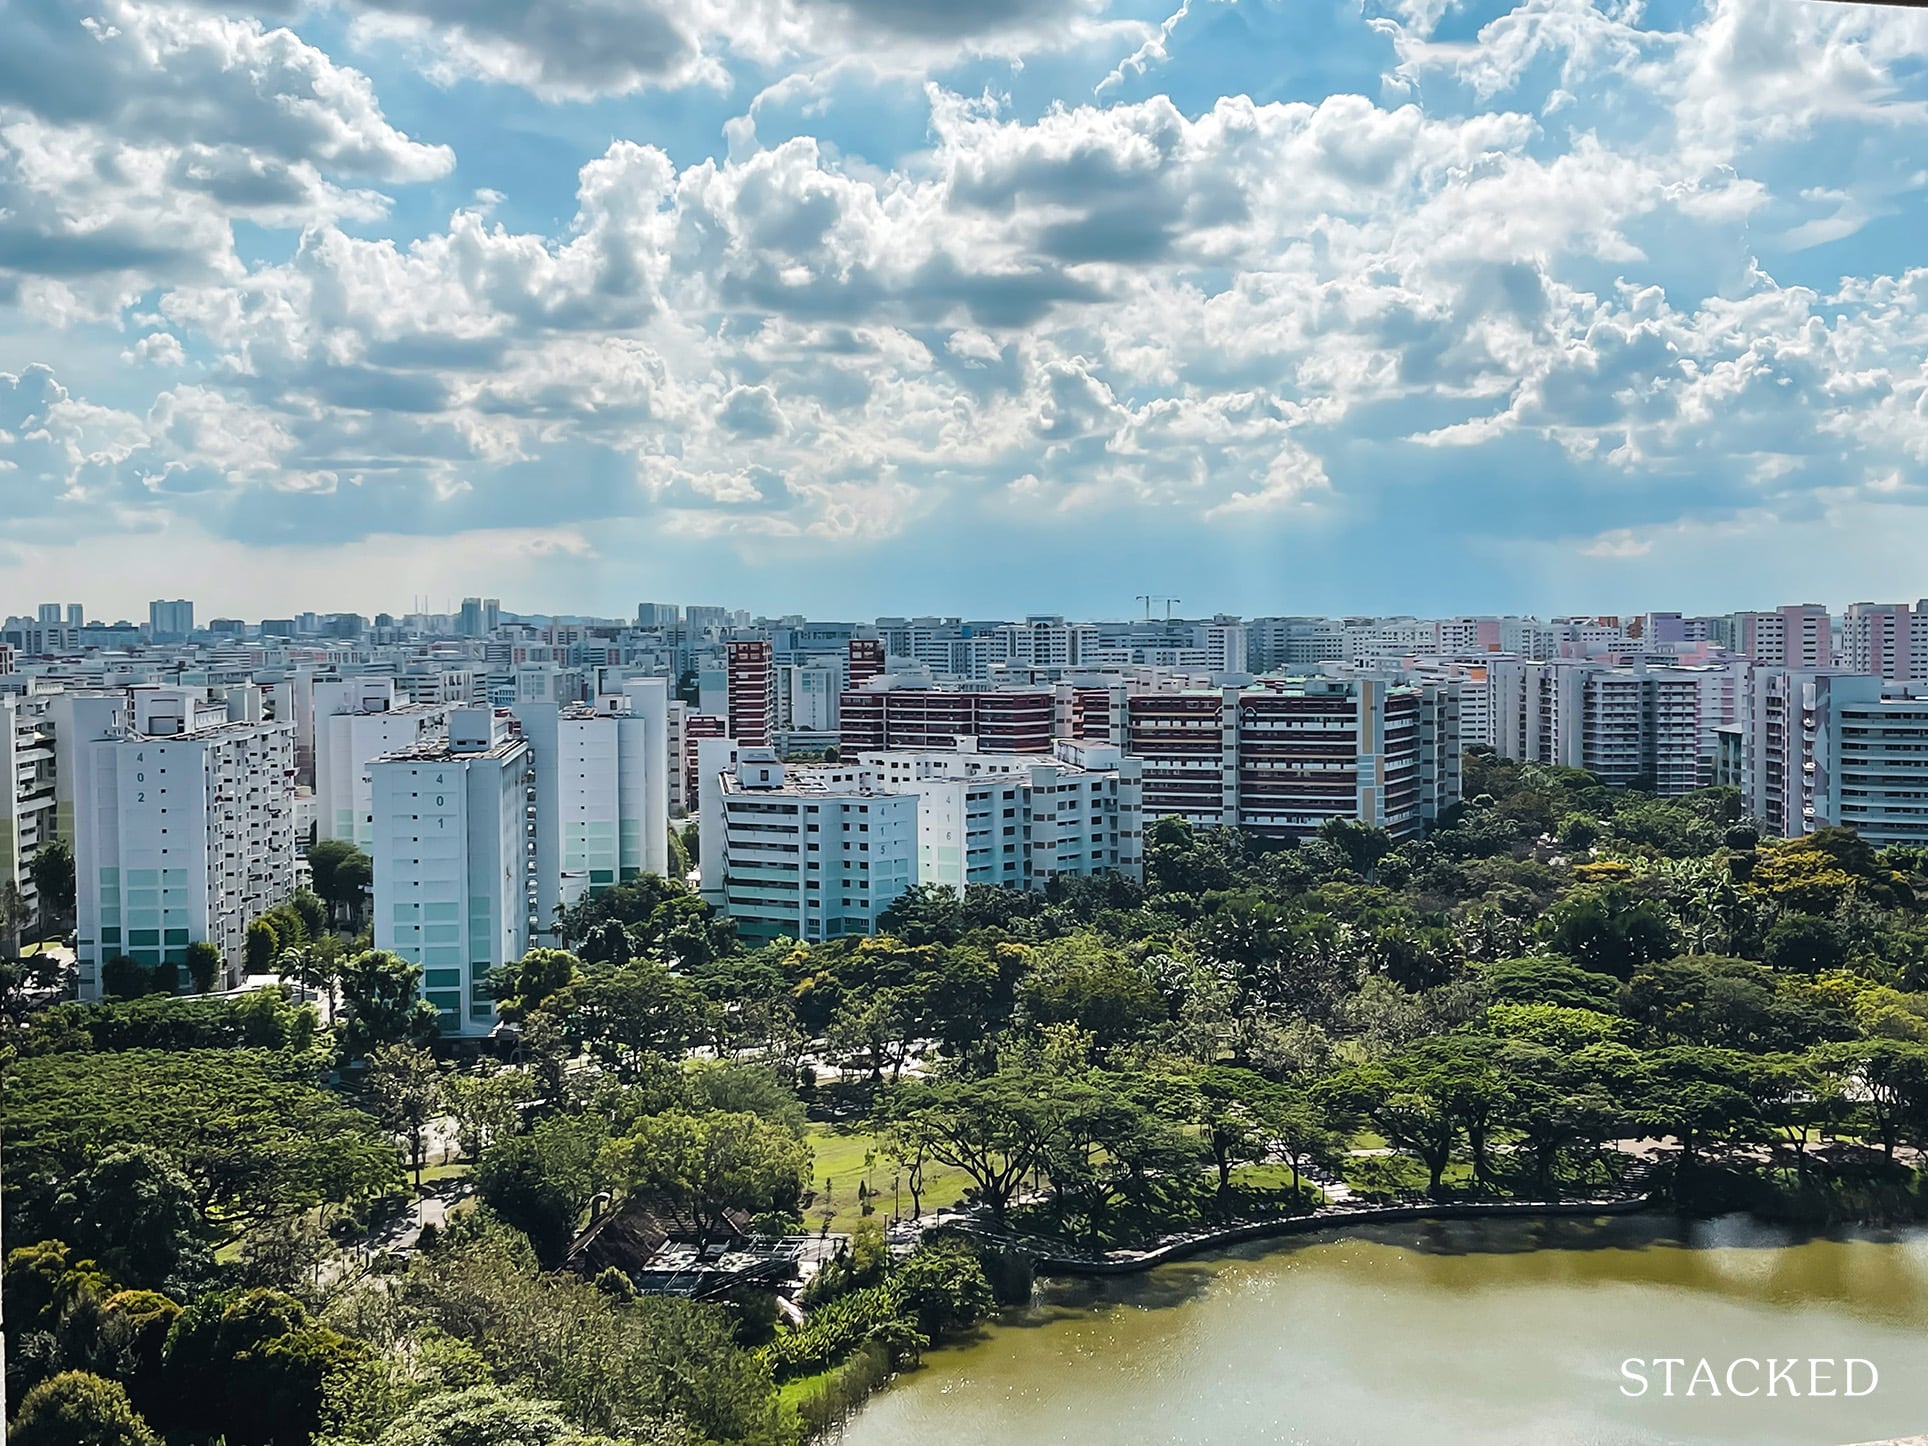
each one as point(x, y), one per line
point(484, 1106)
point(378, 992)
point(78, 1409)
point(342, 874)
point(1363, 845)
point(995, 1130)
point(14, 915)
point(1407, 1101)
point(540, 979)
point(1609, 929)
point(253, 1365)
point(203, 965)
point(924, 914)
point(263, 944)
point(1806, 944)
point(704, 1166)
point(309, 907)
point(315, 966)
point(944, 1288)
point(135, 1211)
point(1226, 1105)
point(406, 1084)
point(1081, 980)
point(124, 978)
point(636, 1009)
point(542, 1181)
point(248, 1128)
point(486, 1416)
point(52, 871)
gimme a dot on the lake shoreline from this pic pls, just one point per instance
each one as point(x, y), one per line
point(1334, 1335)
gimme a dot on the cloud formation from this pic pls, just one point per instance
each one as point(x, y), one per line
point(1571, 280)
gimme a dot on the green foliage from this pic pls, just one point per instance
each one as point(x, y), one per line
point(1549, 981)
point(203, 966)
point(78, 1409)
point(136, 1212)
point(52, 870)
point(342, 874)
point(699, 1167)
point(259, 1019)
point(405, 1084)
point(541, 1182)
point(252, 1133)
point(379, 997)
point(254, 1367)
point(654, 918)
point(1609, 930)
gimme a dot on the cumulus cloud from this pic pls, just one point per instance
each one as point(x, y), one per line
point(1539, 262)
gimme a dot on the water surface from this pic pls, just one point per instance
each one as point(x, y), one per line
point(1448, 1334)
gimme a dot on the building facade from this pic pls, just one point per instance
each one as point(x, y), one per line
point(1282, 757)
point(179, 838)
point(801, 852)
point(455, 860)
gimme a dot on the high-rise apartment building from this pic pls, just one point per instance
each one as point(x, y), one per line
point(1829, 749)
point(27, 804)
point(1887, 640)
point(479, 617)
point(1633, 723)
point(602, 792)
point(170, 622)
point(697, 727)
point(1016, 820)
point(866, 661)
point(180, 836)
point(752, 692)
point(455, 860)
point(881, 715)
point(358, 720)
point(1281, 758)
point(1798, 636)
point(807, 853)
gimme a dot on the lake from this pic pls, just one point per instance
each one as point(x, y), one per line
point(1447, 1334)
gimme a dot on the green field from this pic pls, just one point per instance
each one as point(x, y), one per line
point(839, 1162)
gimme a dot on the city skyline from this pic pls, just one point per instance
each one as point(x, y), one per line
point(1319, 307)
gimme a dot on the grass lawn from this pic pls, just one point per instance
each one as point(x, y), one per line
point(1369, 1140)
point(434, 1173)
point(839, 1162)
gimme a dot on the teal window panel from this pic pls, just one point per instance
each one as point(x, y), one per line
point(143, 878)
point(602, 876)
point(109, 935)
point(175, 936)
point(445, 979)
point(445, 1001)
point(442, 956)
point(442, 913)
point(481, 1011)
point(143, 936)
point(442, 933)
point(149, 957)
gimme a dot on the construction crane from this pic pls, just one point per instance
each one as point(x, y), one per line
point(1148, 598)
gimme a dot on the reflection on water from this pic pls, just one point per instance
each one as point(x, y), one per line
point(1455, 1333)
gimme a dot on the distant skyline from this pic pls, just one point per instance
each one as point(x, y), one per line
point(1322, 306)
point(1012, 609)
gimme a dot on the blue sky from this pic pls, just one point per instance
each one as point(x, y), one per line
point(975, 306)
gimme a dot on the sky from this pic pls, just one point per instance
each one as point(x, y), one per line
point(985, 307)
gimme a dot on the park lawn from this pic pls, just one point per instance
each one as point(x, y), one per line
point(839, 1161)
point(1369, 1140)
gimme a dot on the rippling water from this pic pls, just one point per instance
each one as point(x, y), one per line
point(1467, 1332)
